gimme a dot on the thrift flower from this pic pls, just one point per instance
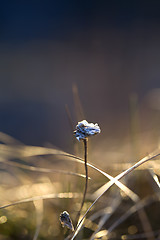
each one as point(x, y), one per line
point(85, 129)
point(66, 221)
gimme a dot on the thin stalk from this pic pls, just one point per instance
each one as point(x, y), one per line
point(85, 141)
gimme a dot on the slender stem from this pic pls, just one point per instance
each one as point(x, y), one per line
point(85, 141)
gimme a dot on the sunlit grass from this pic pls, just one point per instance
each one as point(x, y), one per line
point(39, 183)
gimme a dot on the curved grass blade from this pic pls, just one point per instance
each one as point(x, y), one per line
point(105, 217)
point(155, 178)
point(141, 204)
point(43, 197)
point(34, 151)
point(112, 182)
point(38, 169)
point(5, 138)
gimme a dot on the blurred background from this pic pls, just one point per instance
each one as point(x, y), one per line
point(109, 49)
point(97, 60)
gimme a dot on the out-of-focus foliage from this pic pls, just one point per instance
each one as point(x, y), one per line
point(38, 183)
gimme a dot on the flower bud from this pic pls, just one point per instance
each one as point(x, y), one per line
point(66, 221)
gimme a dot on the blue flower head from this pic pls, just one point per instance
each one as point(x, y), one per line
point(85, 129)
